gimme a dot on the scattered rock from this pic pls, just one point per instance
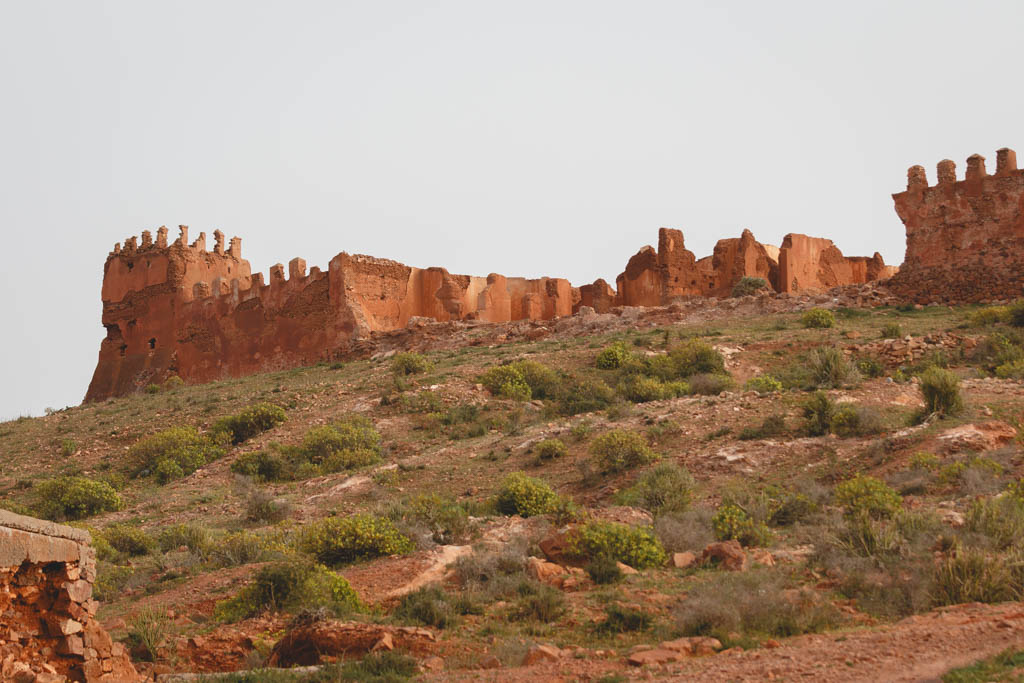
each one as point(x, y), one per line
point(953, 518)
point(683, 560)
point(541, 653)
point(626, 569)
point(986, 436)
point(654, 657)
point(729, 554)
point(490, 662)
point(545, 572)
point(762, 556)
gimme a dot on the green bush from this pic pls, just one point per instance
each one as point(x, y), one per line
point(853, 420)
point(261, 506)
point(666, 488)
point(347, 443)
point(1015, 313)
point(773, 425)
point(428, 606)
point(864, 495)
point(290, 586)
point(972, 576)
point(525, 496)
point(621, 619)
point(538, 601)
point(1011, 370)
point(583, 395)
point(634, 546)
point(604, 570)
point(830, 368)
point(642, 389)
point(870, 367)
point(522, 380)
point(342, 540)
point(376, 667)
point(263, 466)
point(709, 385)
point(941, 392)
point(989, 316)
point(621, 449)
point(410, 363)
point(749, 285)
point(253, 420)
point(764, 384)
point(754, 604)
point(446, 520)
point(551, 449)
point(1001, 520)
point(613, 356)
point(892, 331)
point(129, 540)
point(818, 413)
point(731, 522)
point(194, 537)
point(75, 498)
point(695, 357)
point(175, 452)
point(817, 318)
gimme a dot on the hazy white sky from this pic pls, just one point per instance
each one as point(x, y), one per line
point(526, 138)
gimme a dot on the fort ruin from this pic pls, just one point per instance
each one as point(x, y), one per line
point(176, 308)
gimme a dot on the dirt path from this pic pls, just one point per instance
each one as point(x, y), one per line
point(920, 648)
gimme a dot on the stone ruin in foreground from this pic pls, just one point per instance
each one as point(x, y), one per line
point(175, 308)
point(48, 626)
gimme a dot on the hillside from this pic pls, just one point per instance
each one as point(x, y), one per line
point(686, 492)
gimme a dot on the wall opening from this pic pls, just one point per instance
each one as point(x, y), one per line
point(152, 343)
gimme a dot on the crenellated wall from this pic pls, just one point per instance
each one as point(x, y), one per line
point(965, 238)
point(178, 309)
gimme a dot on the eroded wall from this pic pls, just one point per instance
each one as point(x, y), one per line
point(178, 309)
point(965, 238)
point(48, 629)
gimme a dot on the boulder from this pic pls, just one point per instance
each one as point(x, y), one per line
point(683, 560)
point(728, 554)
point(985, 436)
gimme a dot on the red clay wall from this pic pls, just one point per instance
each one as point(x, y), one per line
point(965, 239)
point(180, 310)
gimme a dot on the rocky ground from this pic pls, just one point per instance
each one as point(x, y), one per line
point(814, 595)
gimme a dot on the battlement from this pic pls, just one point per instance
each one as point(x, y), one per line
point(945, 171)
point(965, 238)
point(145, 244)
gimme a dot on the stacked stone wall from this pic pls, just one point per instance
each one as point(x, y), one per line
point(48, 627)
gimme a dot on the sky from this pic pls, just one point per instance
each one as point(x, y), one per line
point(525, 138)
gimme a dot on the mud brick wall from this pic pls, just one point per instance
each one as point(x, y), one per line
point(179, 309)
point(965, 238)
point(48, 629)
